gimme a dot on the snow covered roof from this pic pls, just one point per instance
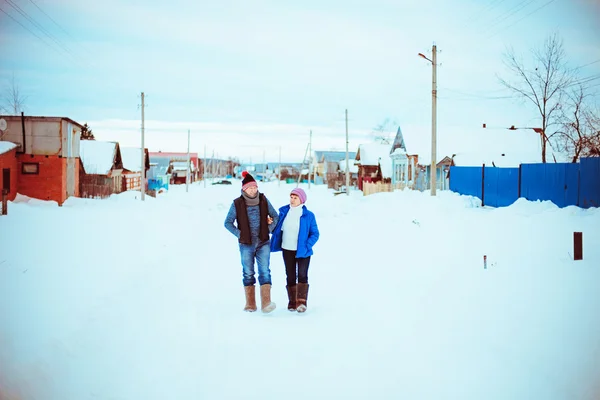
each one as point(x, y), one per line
point(132, 158)
point(475, 146)
point(5, 147)
point(371, 153)
point(179, 165)
point(374, 154)
point(97, 157)
point(503, 148)
point(351, 166)
point(332, 156)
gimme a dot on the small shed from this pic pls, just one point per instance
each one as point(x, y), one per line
point(102, 168)
point(374, 163)
point(47, 155)
point(132, 170)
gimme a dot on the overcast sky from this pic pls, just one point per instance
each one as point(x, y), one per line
point(250, 76)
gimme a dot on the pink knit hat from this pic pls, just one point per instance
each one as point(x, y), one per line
point(300, 193)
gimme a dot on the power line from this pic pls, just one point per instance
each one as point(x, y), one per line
point(520, 19)
point(30, 31)
point(23, 13)
point(57, 24)
point(504, 17)
point(49, 17)
point(489, 7)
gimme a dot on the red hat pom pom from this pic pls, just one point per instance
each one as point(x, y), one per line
point(244, 174)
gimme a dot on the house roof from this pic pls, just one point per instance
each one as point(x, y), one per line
point(353, 168)
point(171, 154)
point(132, 158)
point(502, 148)
point(398, 143)
point(474, 146)
point(333, 156)
point(40, 118)
point(98, 157)
point(374, 154)
point(5, 147)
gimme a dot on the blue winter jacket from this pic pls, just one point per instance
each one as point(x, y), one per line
point(307, 236)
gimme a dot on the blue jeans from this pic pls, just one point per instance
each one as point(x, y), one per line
point(262, 253)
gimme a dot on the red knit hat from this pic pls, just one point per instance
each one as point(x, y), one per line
point(248, 181)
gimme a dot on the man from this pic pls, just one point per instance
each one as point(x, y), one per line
point(256, 218)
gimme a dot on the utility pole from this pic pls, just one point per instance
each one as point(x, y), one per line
point(434, 122)
point(279, 169)
point(309, 158)
point(187, 171)
point(433, 61)
point(204, 167)
point(347, 161)
point(212, 164)
point(143, 169)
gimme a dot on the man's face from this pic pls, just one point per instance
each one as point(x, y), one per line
point(251, 191)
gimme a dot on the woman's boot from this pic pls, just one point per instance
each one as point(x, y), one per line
point(301, 297)
point(292, 292)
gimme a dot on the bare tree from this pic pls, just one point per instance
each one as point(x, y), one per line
point(384, 132)
point(13, 98)
point(543, 84)
point(591, 147)
point(580, 131)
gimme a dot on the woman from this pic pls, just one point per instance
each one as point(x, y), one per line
point(295, 235)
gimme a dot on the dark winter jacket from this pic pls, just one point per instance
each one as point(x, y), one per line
point(252, 222)
point(307, 235)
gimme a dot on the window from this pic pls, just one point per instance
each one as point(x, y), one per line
point(30, 168)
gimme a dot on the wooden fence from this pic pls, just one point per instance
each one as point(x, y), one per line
point(372, 188)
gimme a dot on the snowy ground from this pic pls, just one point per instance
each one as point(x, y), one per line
point(119, 299)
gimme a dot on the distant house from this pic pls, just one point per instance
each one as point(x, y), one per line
point(327, 164)
point(132, 170)
point(176, 164)
point(47, 155)
point(8, 170)
point(102, 167)
point(374, 163)
point(341, 179)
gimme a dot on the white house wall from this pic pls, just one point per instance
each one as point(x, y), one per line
point(72, 132)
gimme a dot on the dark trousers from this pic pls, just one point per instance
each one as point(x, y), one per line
point(290, 261)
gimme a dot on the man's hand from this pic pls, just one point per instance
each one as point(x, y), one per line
point(269, 220)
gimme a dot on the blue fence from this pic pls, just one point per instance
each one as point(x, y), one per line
point(565, 184)
point(589, 182)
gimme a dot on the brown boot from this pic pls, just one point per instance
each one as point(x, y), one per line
point(250, 298)
point(302, 296)
point(292, 291)
point(266, 304)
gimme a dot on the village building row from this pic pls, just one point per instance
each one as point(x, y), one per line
point(45, 158)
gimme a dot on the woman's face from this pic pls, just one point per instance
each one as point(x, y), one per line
point(294, 200)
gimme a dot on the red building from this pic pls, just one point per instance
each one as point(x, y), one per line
point(47, 156)
point(8, 170)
